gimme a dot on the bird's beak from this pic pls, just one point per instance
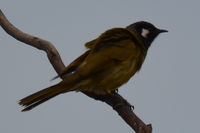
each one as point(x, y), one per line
point(162, 30)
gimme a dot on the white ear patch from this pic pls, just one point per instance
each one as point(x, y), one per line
point(145, 33)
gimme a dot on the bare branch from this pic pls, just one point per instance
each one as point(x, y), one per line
point(33, 41)
point(117, 102)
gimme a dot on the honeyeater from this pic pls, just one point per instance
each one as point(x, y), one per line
point(110, 61)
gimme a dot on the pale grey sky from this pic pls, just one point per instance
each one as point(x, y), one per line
point(165, 92)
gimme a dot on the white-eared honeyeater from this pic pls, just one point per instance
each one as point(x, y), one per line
point(110, 61)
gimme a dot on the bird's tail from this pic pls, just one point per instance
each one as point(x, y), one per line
point(42, 96)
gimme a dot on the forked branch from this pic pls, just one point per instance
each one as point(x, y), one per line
point(117, 102)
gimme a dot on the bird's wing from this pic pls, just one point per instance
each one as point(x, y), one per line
point(117, 37)
point(115, 44)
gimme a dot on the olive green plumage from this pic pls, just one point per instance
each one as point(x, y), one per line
point(110, 61)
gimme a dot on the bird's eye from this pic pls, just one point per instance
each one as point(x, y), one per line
point(145, 32)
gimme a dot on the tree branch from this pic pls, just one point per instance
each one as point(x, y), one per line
point(117, 102)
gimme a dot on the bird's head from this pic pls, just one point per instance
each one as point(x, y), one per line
point(147, 31)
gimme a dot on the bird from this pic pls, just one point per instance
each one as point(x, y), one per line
point(109, 61)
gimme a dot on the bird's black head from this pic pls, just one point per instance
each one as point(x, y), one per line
point(146, 31)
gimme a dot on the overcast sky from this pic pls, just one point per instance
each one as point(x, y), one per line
point(165, 92)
